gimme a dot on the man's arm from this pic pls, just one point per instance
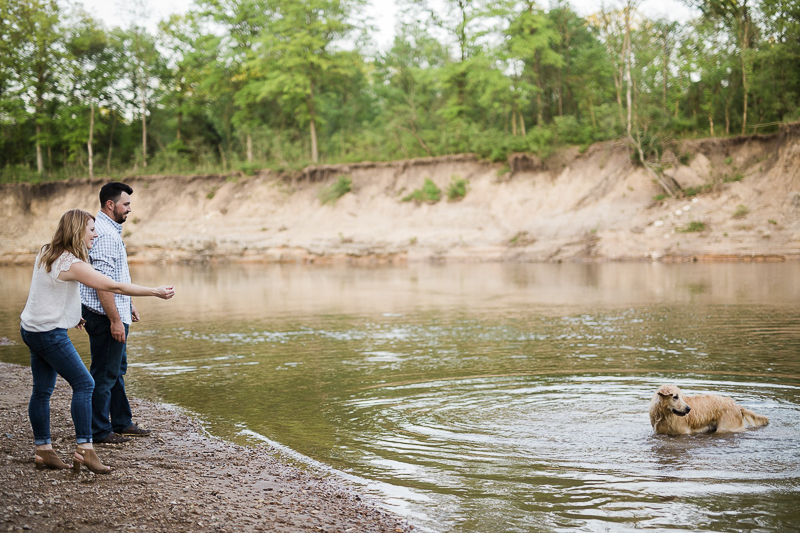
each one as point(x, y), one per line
point(102, 253)
point(110, 307)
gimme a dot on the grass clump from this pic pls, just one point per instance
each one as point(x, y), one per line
point(741, 211)
point(457, 189)
point(694, 191)
point(249, 169)
point(693, 227)
point(336, 190)
point(734, 178)
point(429, 193)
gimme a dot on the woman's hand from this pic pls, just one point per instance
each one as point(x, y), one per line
point(165, 292)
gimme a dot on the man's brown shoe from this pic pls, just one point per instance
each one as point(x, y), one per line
point(135, 431)
point(113, 438)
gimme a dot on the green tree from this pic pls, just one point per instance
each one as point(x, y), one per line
point(407, 87)
point(737, 17)
point(91, 72)
point(298, 54)
point(38, 60)
point(144, 65)
point(532, 39)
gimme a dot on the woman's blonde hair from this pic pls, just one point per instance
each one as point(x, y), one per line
point(67, 238)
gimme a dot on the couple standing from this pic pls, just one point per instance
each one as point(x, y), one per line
point(81, 279)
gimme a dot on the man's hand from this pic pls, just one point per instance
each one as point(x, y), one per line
point(81, 323)
point(118, 331)
point(134, 314)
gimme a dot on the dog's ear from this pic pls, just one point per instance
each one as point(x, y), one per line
point(666, 390)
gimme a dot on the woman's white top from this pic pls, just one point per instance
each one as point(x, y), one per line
point(52, 303)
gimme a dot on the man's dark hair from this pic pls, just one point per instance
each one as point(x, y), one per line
point(112, 191)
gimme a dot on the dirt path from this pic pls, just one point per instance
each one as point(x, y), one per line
point(178, 480)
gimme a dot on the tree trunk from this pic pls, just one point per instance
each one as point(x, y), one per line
point(664, 68)
point(89, 144)
point(249, 147)
point(514, 122)
point(746, 25)
point(727, 119)
point(223, 158)
point(111, 141)
point(627, 50)
point(521, 123)
point(39, 159)
point(144, 130)
point(312, 112)
point(314, 149)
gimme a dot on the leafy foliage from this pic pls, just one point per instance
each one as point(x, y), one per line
point(457, 188)
point(692, 227)
point(741, 211)
point(247, 84)
point(429, 193)
point(342, 186)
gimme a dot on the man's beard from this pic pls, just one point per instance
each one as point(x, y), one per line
point(119, 217)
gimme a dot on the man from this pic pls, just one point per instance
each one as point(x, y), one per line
point(108, 317)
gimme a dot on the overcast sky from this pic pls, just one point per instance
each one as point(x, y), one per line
point(382, 12)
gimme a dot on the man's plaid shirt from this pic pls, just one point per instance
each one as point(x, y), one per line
point(108, 256)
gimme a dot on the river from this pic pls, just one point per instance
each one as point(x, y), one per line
point(488, 397)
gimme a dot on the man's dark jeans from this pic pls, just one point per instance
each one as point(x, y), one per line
point(110, 408)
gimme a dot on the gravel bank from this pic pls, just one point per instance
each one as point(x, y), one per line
point(180, 479)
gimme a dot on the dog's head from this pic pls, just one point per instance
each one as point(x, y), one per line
point(671, 398)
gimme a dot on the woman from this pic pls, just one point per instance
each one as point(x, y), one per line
point(54, 306)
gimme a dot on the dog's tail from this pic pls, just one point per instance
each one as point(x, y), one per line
point(752, 419)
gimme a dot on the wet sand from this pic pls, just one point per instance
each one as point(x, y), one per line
point(179, 479)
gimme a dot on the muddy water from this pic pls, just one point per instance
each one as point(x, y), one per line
point(490, 397)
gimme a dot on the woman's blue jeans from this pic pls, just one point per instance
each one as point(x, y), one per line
point(52, 353)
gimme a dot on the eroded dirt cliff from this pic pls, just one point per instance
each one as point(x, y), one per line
point(595, 205)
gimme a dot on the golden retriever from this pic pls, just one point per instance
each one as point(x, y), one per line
point(672, 413)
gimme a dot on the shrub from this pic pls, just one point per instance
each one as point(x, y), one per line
point(652, 148)
point(333, 192)
point(249, 169)
point(694, 191)
point(428, 193)
point(457, 189)
point(741, 211)
point(693, 227)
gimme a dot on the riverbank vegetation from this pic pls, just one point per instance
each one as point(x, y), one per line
point(249, 84)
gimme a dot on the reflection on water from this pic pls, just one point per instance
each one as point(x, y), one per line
point(490, 397)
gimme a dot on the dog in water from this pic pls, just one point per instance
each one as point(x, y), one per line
point(672, 413)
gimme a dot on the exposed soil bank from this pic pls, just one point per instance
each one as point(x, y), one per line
point(595, 205)
point(177, 480)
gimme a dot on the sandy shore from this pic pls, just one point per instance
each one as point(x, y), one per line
point(180, 479)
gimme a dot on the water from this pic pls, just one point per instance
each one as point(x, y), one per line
point(489, 397)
